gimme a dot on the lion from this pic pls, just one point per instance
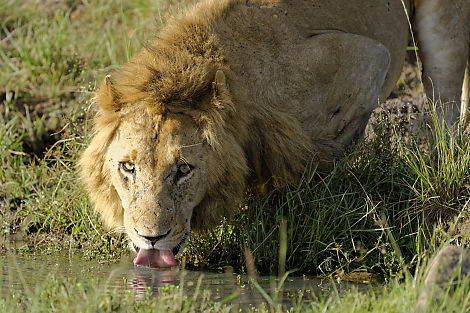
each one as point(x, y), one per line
point(239, 93)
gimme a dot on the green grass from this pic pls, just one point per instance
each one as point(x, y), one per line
point(441, 177)
point(373, 212)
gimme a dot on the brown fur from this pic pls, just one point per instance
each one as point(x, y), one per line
point(175, 83)
point(258, 79)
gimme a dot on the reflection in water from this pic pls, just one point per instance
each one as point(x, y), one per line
point(226, 287)
point(142, 278)
point(26, 271)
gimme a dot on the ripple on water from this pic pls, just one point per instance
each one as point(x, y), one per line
point(23, 271)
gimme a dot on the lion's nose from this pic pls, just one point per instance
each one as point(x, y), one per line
point(154, 239)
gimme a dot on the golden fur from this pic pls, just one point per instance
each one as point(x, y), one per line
point(249, 88)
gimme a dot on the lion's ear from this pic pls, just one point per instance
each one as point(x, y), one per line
point(106, 95)
point(219, 85)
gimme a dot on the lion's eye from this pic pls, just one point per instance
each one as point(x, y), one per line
point(184, 169)
point(128, 166)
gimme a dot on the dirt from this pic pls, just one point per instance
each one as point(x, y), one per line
point(402, 113)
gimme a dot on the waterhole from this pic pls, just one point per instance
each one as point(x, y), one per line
point(26, 271)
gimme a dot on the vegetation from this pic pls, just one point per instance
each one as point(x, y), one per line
point(374, 212)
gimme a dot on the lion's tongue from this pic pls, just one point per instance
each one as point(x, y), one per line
point(155, 258)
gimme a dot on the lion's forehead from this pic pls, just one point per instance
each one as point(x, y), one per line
point(175, 127)
point(151, 140)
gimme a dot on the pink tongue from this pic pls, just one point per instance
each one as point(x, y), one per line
point(155, 258)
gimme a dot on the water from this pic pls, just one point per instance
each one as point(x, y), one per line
point(25, 271)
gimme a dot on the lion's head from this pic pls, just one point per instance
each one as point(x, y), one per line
point(157, 170)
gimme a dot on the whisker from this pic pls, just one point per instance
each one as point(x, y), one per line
point(189, 146)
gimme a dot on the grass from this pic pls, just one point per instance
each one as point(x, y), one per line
point(374, 212)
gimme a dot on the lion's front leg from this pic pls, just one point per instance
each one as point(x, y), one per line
point(443, 31)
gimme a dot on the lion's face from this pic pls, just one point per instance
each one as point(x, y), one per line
point(158, 168)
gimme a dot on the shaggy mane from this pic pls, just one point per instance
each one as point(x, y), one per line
point(175, 74)
point(177, 68)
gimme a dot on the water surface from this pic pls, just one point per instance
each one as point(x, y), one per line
point(23, 271)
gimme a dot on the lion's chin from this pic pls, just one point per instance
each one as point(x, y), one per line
point(155, 258)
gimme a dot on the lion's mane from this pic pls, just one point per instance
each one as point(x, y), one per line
point(173, 74)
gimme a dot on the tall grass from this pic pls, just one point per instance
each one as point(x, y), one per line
point(381, 208)
point(334, 220)
point(442, 170)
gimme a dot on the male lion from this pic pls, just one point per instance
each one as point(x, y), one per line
point(237, 92)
